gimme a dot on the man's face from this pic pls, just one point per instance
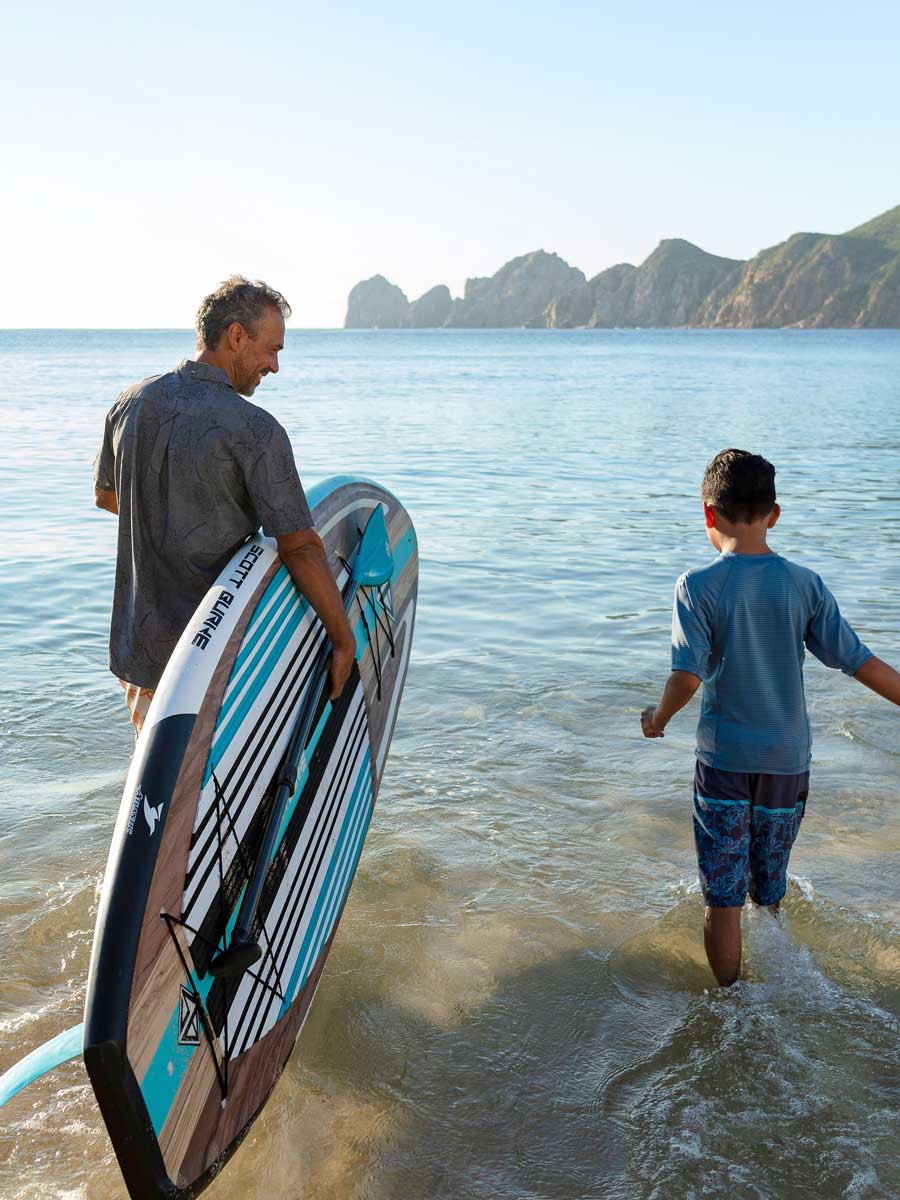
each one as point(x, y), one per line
point(258, 353)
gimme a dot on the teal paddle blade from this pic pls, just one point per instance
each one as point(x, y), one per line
point(374, 561)
point(54, 1053)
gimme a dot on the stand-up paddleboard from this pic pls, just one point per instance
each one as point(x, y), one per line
point(185, 1032)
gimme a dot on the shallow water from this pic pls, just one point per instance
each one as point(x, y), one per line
point(517, 1003)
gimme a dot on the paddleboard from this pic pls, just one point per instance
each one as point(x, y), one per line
point(182, 1061)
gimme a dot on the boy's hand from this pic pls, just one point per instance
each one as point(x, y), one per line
point(648, 728)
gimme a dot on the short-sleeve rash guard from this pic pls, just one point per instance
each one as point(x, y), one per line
point(743, 624)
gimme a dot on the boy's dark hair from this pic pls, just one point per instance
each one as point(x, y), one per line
point(739, 485)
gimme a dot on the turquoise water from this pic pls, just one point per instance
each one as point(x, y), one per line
point(517, 1004)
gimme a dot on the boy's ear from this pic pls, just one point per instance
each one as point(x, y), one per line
point(773, 515)
point(709, 515)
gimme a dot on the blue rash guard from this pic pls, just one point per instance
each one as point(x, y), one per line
point(743, 624)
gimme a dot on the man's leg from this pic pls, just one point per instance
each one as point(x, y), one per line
point(722, 942)
point(138, 701)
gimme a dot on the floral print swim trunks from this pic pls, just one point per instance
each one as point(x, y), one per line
point(744, 828)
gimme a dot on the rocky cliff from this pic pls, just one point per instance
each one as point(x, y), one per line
point(376, 304)
point(812, 280)
point(817, 281)
point(430, 310)
point(517, 294)
point(670, 288)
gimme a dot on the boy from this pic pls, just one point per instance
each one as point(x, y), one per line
point(739, 627)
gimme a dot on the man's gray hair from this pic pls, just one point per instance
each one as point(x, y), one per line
point(237, 299)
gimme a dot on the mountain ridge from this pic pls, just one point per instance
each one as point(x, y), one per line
point(808, 281)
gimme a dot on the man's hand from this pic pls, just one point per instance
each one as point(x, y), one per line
point(648, 728)
point(106, 500)
point(342, 658)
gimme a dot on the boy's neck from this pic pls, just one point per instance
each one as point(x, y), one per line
point(750, 542)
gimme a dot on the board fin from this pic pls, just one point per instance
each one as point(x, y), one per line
point(52, 1054)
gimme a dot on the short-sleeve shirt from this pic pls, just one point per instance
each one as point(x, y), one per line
point(743, 625)
point(196, 469)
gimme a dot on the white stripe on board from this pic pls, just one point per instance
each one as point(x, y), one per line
point(246, 751)
point(306, 869)
point(266, 1014)
point(290, 603)
point(301, 881)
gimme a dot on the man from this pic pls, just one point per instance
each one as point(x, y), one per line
point(193, 470)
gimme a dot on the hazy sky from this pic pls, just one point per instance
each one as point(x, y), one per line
point(150, 150)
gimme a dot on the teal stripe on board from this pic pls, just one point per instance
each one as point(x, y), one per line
point(358, 803)
point(293, 612)
point(164, 1075)
point(269, 613)
point(339, 890)
point(223, 736)
point(278, 580)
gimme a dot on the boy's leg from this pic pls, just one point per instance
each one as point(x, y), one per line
point(722, 942)
point(722, 837)
point(779, 802)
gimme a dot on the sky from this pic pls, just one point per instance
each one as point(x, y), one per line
point(151, 150)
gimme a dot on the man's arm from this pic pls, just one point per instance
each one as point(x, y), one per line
point(876, 674)
point(106, 500)
point(303, 553)
point(679, 690)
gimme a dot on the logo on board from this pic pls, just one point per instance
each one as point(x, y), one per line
point(188, 1019)
point(225, 599)
point(151, 815)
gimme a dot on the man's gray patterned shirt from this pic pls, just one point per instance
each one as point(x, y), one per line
point(196, 470)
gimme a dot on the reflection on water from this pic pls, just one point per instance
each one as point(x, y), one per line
point(517, 1004)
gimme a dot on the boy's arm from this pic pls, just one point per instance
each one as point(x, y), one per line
point(679, 690)
point(876, 674)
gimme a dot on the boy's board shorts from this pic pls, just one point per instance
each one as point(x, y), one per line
point(138, 701)
point(744, 828)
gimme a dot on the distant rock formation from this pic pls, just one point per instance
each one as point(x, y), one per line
point(518, 293)
point(668, 289)
point(430, 310)
point(376, 304)
point(812, 280)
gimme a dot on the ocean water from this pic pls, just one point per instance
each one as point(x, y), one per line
point(517, 1004)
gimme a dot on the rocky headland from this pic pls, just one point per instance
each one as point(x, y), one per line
point(811, 281)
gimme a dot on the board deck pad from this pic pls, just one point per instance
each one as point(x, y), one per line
point(182, 1062)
